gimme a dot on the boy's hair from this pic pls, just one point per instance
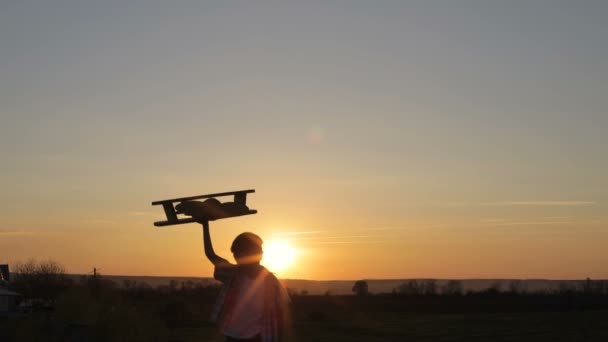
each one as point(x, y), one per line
point(246, 244)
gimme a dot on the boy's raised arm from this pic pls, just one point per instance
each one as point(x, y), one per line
point(209, 252)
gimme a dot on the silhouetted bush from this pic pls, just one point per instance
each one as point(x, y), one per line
point(44, 280)
point(109, 317)
point(410, 288)
point(494, 289)
point(413, 287)
point(429, 287)
point(452, 288)
point(517, 287)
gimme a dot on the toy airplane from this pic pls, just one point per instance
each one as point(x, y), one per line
point(209, 210)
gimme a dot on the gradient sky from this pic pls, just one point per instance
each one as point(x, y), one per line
point(445, 139)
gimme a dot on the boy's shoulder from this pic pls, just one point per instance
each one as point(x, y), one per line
point(225, 272)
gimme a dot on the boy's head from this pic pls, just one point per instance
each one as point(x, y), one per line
point(247, 248)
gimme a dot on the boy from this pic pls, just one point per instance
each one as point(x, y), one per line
point(252, 305)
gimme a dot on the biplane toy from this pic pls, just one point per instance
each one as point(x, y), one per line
point(209, 210)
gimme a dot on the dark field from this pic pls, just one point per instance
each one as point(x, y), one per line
point(318, 318)
point(560, 326)
point(57, 308)
point(552, 326)
point(341, 324)
point(146, 314)
point(338, 325)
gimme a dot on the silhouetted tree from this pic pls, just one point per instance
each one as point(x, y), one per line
point(565, 288)
point(494, 288)
point(361, 288)
point(452, 288)
point(40, 280)
point(593, 287)
point(517, 287)
point(410, 288)
point(602, 287)
point(429, 287)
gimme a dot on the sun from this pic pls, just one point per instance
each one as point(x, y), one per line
point(279, 255)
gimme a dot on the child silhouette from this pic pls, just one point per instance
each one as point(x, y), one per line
point(252, 305)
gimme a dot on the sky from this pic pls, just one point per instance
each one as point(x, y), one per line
point(385, 139)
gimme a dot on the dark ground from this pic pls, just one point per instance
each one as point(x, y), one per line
point(335, 319)
point(98, 313)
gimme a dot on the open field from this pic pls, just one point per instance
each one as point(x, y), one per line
point(390, 326)
point(100, 311)
point(430, 322)
point(553, 326)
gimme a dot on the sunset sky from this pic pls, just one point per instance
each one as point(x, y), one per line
point(385, 139)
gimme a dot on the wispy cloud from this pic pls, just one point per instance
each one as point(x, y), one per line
point(299, 233)
point(548, 220)
point(531, 223)
point(351, 242)
point(15, 232)
point(557, 217)
point(143, 213)
point(98, 221)
point(535, 232)
point(311, 234)
point(494, 220)
point(551, 203)
point(401, 228)
point(542, 203)
point(334, 237)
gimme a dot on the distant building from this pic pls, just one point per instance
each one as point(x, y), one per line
point(7, 298)
point(5, 274)
point(8, 301)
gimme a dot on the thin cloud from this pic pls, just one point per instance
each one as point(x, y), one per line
point(98, 221)
point(527, 232)
point(372, 229)
point(557, 203)
point(534, 220)
point(557, 217)
point(15, 232)
point(351, 242)
point(142, 213)
point(494, 220)
point(401, 228)
point(540, 203)
point(531, 223)
point(547, 220)
point(299, 233)
point(334, 237)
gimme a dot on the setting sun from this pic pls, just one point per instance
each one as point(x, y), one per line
point(279, 255)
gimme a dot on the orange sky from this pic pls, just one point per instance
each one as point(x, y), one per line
point(336, 236)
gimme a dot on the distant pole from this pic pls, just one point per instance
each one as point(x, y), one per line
point(95, 285)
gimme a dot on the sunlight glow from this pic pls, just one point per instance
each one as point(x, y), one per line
point(279, 255)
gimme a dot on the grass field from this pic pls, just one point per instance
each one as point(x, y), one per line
point(182, 316)
point(327, 319)
point(552, 326)
point(377, 327)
